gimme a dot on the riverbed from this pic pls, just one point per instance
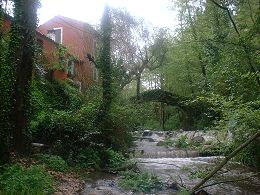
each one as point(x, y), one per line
point(180, 167)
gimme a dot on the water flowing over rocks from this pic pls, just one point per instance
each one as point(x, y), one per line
point(181, 167)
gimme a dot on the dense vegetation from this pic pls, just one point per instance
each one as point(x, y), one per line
point(205, 75)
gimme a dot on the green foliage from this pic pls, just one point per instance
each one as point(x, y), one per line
point(200, 173)
point(182, 142)
point(53, 162)
point(183, 192)
point(173, 122)
point(16, 179)
point(59, 116)
point(121, 124)
point(47, 96)
point(86, 158)
point(216, 149)
point(66, 131)
point(140, 182)
point(169, 142)
point(115, 159)
point(242, 120)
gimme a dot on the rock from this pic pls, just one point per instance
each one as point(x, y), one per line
point(198, 139)
point(151, 140)
point(160, 134)
point(169, 134)
point(202, 192)
point(174, 186)
point(160, 143)
point(147, 133)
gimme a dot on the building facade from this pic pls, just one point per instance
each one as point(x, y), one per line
point(79, 38)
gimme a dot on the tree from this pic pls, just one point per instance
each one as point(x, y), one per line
point(6, 86)
point(136, 48)
point(23, 47)
point(16, 73)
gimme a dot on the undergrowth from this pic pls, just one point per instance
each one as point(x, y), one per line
point(140, 182)
point(53, 162)
point(16, 179)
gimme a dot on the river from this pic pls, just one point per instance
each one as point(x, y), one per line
point(181, 167)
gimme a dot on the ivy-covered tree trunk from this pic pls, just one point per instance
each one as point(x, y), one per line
point(21, 55)
point(102, 121)
point(138, 86)
point(105, 67)
point(105, 59)
point(6, 86)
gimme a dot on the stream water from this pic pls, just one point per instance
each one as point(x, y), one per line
point(182, 167)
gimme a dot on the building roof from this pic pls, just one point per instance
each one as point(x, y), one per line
point(82, 26)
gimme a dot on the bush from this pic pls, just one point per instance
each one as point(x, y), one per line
point(66, 131)
point(182, 142)
point(242, 120)
point(120, 125)
point(87, 158)
point(140, 182)
point(115, 159)
point(53, 162)
point(18, 180)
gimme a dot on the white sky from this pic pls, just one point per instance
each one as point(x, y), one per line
point(155, 12)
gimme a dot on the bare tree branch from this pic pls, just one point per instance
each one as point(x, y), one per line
point(228, 181)
point(226, 159)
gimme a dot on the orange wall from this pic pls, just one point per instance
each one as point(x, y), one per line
point(79, 41)
point(49, 50)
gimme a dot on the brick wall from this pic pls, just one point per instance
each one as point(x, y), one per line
point(79, 38)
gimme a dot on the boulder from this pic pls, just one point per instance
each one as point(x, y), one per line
point(147, 133)
point(160, 143)
point(198, 139)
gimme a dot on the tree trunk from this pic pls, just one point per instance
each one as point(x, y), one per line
point(186, 120)
point(24, 26)
point(162, 116)
point(6, 88)
point(138, 86)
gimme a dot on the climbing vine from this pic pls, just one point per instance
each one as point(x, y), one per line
point(6, 87)
point(16, 74)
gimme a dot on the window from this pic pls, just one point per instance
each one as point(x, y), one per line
point(55, 34)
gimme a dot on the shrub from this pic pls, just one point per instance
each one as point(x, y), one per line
point(66, 131)
point(87, 158)
point(115, 159)
point(140, 182)
point(53, 162)
point(242, 120)
point(19, 180)
point(118, 135)
point(181, 142)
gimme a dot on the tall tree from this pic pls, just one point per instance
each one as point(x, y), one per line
point(150, 52)
point(17, 72)
point(105, 67)
point(136, 47)
point(22, 46)
point(6, 88)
